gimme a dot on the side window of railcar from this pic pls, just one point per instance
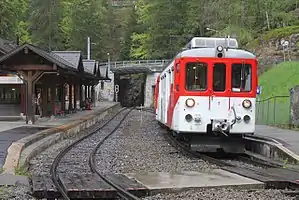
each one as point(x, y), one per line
point(196, 76)
point(241, 77)
point(219, 77)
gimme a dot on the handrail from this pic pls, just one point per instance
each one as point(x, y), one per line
point(135, 62)
point(273, 97)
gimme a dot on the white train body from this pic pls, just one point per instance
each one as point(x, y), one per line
point(208, 90)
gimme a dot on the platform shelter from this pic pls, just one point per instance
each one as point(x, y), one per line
point(59, 77)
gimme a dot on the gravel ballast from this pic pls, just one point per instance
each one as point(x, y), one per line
point(41, 164)
point(221, 194)
point(19, 192)
point(141, 147)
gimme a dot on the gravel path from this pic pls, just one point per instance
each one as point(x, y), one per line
point(141, 147)
point(221, 194)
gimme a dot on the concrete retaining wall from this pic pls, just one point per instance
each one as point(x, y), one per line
point(271, 150)
point(107, 93)
point(294, 92)
point(21, 152)
point(148, 90)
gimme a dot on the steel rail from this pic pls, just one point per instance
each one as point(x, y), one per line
point(264, 176)
point(55, 175)
point(121, 191)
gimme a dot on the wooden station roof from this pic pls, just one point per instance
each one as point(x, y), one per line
point(6, 46)
point(65, 62)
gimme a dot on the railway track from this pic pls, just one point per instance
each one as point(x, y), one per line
point(121, 193)
point(273, 176)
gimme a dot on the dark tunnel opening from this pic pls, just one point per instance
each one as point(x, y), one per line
point(131, 89)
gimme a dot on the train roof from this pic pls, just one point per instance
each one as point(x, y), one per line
point(211, 52)
point(212, 42)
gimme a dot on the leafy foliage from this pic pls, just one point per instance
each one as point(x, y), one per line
point(146, 29)
point(287, 72)
point(44, 20)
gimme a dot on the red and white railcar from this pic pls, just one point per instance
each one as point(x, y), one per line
point(209, 90)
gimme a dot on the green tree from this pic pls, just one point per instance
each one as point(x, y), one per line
point(45, 23)
point(8, 20)
point(129, 26)
point(163, 21)
point(89, 19)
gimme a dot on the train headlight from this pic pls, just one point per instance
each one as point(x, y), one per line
point(219, 48)
point(246, 104)
point(190, 102)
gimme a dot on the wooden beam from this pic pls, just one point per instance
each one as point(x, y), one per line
point(29, 97)
point(30, 78)
point(31, 67)
point(23, 74)
point(37, 76)
point(26, 50)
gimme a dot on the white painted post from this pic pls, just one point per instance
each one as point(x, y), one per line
point(141, 114)
point(116, 89)
point(88, 48)
point(108, 54)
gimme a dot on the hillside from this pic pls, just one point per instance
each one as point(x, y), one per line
point(267, 47)
point(279, 79)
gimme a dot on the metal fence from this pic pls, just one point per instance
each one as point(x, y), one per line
point(130, 63)
point(274, 110)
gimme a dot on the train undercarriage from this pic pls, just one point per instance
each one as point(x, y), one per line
point(211, 142)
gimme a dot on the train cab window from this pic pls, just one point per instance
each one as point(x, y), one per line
point(241, 77)
point(219, 77)
point(196, 76)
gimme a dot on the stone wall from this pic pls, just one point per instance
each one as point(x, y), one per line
point(271, 52)
point(148, 89)
point(131, 90)
point(107, 93)
point(295, 105)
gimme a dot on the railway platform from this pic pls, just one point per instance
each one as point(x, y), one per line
point(288, 138)
point(20, 142)
point(157, 181)
point(277, 143)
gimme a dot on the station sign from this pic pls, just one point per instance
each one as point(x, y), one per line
point(116, 89)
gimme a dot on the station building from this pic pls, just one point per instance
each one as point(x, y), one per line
point(11, 86)
point(63, 79)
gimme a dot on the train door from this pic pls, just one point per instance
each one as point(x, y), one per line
point(154, 96)
point(166, 97)
point(162, 99)
point(219, 100)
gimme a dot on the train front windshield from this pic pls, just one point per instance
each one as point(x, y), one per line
point(241, 77)
point(197, 77)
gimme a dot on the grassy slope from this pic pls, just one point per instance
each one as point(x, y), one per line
point(277, 82)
